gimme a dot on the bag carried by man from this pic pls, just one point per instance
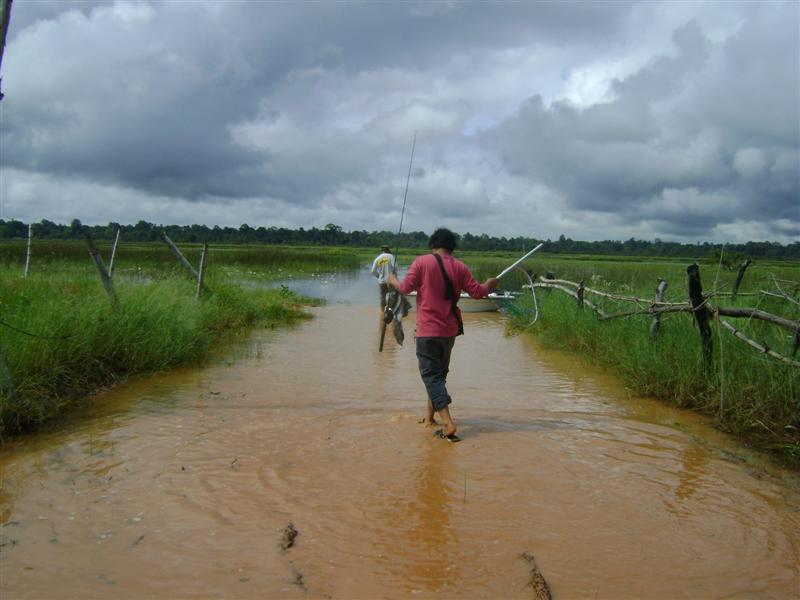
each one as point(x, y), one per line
point(450, 294)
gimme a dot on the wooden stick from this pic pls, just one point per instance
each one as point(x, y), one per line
point(202, 270)
point(101, 269)
point(721, 367)
point(652, 311)
point(701, 314)
point(572, 293)
point(739, 275)
point(113, 253)
point(656, 324)
point(783, 295)
point(615, 296)
point(5, 18)
point(28, 253)
point(181, 258)
point(757, 346)
point(754, 313)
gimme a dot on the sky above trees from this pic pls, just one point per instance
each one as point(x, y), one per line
point(598, 120)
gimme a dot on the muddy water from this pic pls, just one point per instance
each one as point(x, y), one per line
point(180, 485)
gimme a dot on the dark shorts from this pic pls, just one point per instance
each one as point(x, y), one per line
point(433, 354)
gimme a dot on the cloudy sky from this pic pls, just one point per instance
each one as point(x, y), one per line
point(600, 120)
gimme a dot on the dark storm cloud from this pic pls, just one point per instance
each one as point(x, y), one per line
point(532, 117)
point(713, 120)
point(144, 93)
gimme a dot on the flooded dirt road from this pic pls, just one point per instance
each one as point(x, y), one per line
point(181, 485)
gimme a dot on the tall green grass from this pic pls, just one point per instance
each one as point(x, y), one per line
point(156, 260)
point(82, 343)
point(749, 394)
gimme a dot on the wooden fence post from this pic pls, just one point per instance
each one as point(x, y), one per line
point(656, 324)
point(181, 258)
point(202, 270)
point(28, 253)
point(579, 294)
point(113, 253)
point(5, 18)
point(739, 275)
point(701, 313)
point(101, 269)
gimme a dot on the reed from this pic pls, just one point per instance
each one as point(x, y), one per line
point(80, 342)
point(746, 393)
point(155, 259)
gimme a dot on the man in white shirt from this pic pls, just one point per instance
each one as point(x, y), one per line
point(383, 266)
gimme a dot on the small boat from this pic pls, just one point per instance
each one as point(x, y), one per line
point(468, 304)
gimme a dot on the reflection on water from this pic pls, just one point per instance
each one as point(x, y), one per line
point(349, 287)
point(191, 476)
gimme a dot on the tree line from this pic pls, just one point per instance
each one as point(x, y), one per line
point(334, 235)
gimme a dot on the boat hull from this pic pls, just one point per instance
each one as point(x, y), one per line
point(468, 304)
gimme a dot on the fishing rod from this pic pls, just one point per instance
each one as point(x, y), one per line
point(408, 178)
point(516, 262)
point(388, 315)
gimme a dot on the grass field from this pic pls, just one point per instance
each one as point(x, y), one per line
point(62, 338)
point(748, 393)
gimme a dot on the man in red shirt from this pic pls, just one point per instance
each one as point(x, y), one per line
point(437, 321)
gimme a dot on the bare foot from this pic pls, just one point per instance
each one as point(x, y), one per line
point(449, 427)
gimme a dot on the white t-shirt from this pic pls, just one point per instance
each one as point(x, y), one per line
point(382, 266)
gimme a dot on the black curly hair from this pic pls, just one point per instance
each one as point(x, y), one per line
point(443, 238)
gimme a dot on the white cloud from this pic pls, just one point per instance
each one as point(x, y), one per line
point(595, 120)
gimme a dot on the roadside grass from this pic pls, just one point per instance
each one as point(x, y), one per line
point(748, 394)
point(83, 343)
point(156, 261)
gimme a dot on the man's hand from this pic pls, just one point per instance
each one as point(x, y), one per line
point(491, 283)
point(392, 280)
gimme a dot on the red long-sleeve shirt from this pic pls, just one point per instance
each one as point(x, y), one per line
point(434, 315)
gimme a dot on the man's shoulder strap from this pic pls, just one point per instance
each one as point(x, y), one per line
point(450, 292)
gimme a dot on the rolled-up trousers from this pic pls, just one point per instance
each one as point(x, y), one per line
point(433, 355)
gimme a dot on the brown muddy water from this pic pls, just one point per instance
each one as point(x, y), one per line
point(181, 485)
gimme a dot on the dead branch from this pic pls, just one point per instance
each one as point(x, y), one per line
point(761, 348)
point(660, 291)
point(750, 313)
point(793, 284)
point(739, 276)
point(754, 313)
point(651, 311)
point(613, 296)
point(783, 295)
point(561, 281)
point(570, 292)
